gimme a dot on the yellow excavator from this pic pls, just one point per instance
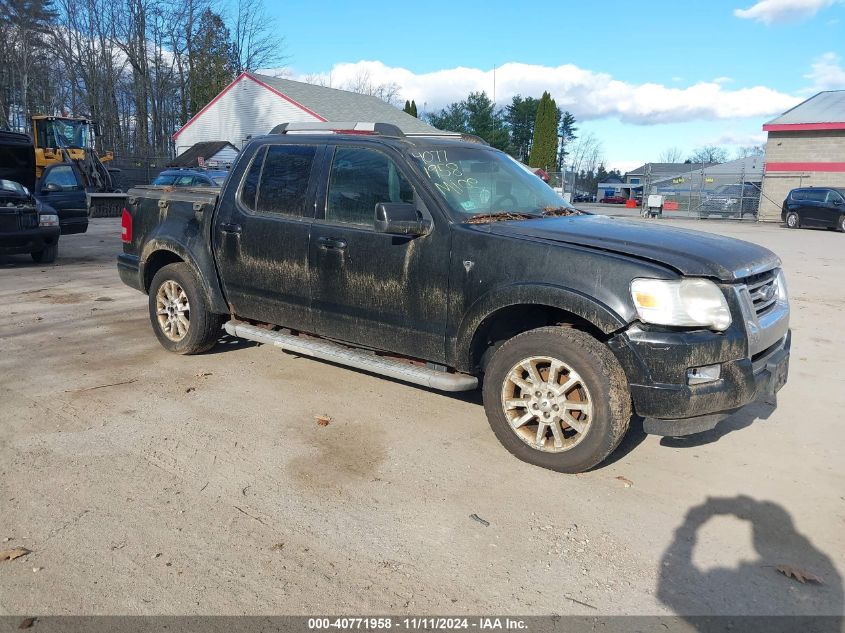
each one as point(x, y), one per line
point(60, 139)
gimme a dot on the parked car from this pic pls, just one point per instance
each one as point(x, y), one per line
point(814, 207)
point(26, 224)
point(735, 200)
point(443, 263)
point(191, 178)
point(614, 200)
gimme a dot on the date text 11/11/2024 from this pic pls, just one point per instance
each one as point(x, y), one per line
point(417, 623)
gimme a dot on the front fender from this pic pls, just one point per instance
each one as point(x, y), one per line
point(549, 295)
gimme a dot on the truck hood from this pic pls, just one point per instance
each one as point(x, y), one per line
point(693, 253)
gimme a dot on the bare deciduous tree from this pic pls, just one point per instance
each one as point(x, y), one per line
point(254, 41)
point(671, 155)
point(363, 84)
point(709, 154)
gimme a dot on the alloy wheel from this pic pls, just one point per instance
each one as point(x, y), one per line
point(173, 310)
point(547, 404)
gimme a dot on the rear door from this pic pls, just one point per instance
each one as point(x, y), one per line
point(831, 209)
point(374, 289)
point(60, 188)
point(813, 207)
point(261, 236)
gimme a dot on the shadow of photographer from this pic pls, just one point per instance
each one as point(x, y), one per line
point(754, 588)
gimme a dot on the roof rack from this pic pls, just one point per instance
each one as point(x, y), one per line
point(332, 127)
point(463, 136)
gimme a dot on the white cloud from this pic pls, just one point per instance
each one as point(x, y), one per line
point(739, 139)
point(827, 72)
point(587, 94)
point(780, 11)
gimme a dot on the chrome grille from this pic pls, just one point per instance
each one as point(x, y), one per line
point(763, 290)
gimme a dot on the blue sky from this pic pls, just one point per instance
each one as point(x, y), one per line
point(641, 77)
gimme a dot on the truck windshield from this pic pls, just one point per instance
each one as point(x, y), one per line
point(478, 182)
point(64, 133)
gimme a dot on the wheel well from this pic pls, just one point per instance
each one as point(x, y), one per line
point(512, 320)
point(156, 262)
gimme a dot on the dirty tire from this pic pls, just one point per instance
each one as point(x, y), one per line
point(601, 375)
point(46, 256)
point(204, 326)
point(793, 221)
point(841, 224)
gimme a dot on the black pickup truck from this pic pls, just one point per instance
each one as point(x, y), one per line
point(443, 262)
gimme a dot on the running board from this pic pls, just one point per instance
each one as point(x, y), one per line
point(326, 350)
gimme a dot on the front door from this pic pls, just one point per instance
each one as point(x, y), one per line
point(374, 289)
point(261, 236)
point(60, 188)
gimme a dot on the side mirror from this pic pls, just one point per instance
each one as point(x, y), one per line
point(837, 202)
point(399, 218)
point(51, 186)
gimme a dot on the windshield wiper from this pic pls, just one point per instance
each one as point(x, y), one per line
point(499, 216)
point(549, 212)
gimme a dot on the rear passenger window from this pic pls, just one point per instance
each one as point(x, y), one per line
point(166, 179)
point(249, 186)
point(360, 179)
point(284, 179)
point(815, 195)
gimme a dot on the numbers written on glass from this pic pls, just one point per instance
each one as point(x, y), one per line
point(436, 163)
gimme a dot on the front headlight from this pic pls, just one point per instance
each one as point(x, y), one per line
point(48, 219)
point(783, 293)
point(682, 302)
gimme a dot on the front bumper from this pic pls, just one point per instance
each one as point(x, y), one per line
point(753, 356)
point(766, 378)
point(29, 240)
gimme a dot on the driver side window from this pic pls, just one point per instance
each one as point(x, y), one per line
point(63, 177)
point(360, 179)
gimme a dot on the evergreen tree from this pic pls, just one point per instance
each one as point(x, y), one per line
point(520, 116)
point(413, 111)
point(544, 145)
point(477, 115)
point(407, 108)
point(212, 70)
point(566, 134)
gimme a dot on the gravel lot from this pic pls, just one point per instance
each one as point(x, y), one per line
point(149, 483)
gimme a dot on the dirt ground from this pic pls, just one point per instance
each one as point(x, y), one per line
point(150, 483)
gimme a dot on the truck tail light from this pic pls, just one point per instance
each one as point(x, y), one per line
point(126, 226)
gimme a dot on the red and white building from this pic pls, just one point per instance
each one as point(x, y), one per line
point(805, 148)
point(252, 105)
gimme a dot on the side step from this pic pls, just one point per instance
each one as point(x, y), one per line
point(326, 350)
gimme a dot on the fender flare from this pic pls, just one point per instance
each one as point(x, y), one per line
point(157, 244)
point(547, 295)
